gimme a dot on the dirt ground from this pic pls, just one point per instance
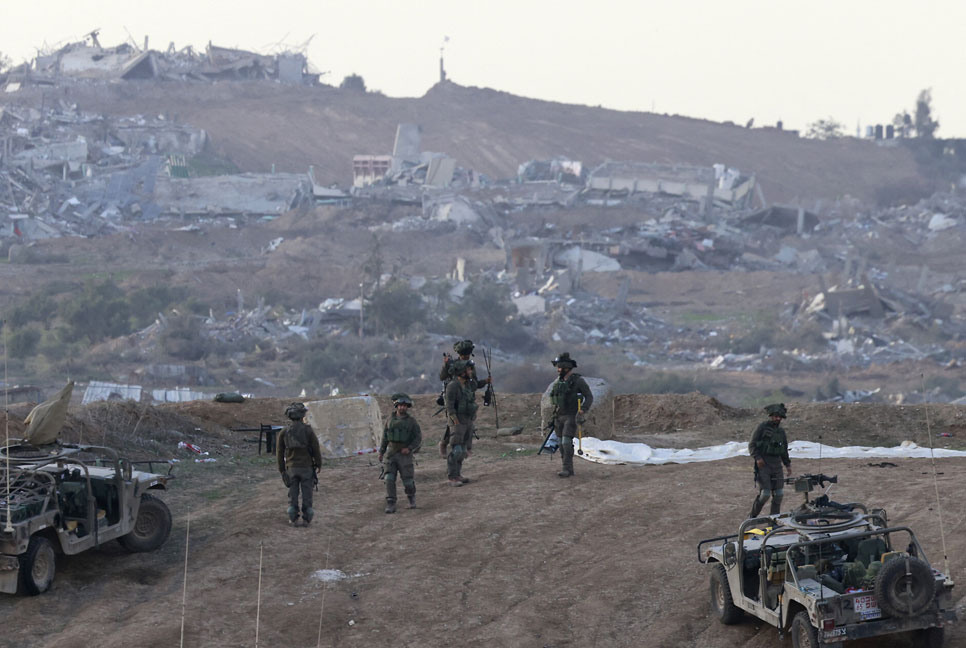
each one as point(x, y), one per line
point(518, 557)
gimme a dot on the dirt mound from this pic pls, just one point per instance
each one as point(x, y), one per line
point(258, 125)
point(670, 412)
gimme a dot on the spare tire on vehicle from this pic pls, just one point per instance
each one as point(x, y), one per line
point(905, 586)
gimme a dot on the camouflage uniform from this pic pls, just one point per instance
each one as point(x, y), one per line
point(299, 458)
point(569, 389)
point(770, 444)
point(460, 411)
point(400, 432)
point(464, 349)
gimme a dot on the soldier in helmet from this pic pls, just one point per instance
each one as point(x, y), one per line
point(769, 449)
point(463, 349)
point(460, 403)
point(571, 397)
point(401, 439)
point(299, 459)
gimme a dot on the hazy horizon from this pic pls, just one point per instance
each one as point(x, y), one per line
point(860, 63)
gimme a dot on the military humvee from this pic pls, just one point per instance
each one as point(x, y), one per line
point(829, 573)
point(70, 498)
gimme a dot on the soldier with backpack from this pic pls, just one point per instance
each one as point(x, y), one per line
point(299, 459)
point(464, 351)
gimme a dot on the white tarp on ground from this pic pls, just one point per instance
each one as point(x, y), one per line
point(614, 452)
point(346, 426)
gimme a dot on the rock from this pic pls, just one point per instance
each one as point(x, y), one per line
point(509, 431)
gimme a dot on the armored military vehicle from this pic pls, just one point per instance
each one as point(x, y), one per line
point(828, 573)
point(70, 498)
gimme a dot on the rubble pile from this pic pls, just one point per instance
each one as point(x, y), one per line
point(87, 60)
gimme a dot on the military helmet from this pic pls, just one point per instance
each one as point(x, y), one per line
point(403, 398)
point(564, 360)
point(464, 347)
point(295, 411)
point(459, 366)
point(776, 409)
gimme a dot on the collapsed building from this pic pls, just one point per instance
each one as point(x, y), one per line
point(88, 60)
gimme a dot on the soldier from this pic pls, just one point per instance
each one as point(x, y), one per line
point(769, 449)
point(299, 459)
point(460, 412)
point(401, 439)
point(571, 398)
point(463, 349)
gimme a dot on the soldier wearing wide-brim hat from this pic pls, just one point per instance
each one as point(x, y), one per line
point(401, 439)
point(571, 398)
point(769, 448)
point(299, 458)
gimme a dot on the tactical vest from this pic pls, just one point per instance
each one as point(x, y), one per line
point(399, 430)
point(773, 442)
point(466, 405)
point(564, 394)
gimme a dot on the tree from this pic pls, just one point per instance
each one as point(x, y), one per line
point(902, 123)
point(395, 308)
point(825, 129)
point(5, 62)
point(97, 313)
point(926, 126)
point(353, 82)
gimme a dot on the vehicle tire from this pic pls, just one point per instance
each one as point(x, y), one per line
point(903, 595)
point(37, 566)
point(721, 601)
point(930, 637)
point(151, 528)
point(804, 634)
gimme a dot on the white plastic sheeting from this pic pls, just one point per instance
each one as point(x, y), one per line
point(615, 452)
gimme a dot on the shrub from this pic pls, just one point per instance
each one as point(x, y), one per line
point(486, 313)
point(183, 339)
point(23, 343)
point(146, 303)
point(39, 309)
point(100, 311)
point(395, 308)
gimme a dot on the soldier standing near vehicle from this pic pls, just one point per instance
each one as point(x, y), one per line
point(460, 403)
point(401, 439)
point(299, 459)
point(571, 398)
point(463, 349)
point(769, 449)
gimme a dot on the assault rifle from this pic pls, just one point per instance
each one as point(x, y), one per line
point(489, 396)
point(543, 446)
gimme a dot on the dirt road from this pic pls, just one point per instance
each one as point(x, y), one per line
point(518, 557)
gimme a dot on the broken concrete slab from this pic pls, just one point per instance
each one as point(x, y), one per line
point(346, 426)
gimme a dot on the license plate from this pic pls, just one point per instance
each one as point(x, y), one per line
point(866, 607)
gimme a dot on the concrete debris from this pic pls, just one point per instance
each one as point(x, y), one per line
point(88, 60)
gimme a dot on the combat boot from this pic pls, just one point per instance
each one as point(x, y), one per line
point(307, 516)
point(293, 516)
point(564, 473)
point(390, 507)
point(455, 481)
point(412, 501)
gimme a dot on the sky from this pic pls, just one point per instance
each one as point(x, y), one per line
point(856, 61)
